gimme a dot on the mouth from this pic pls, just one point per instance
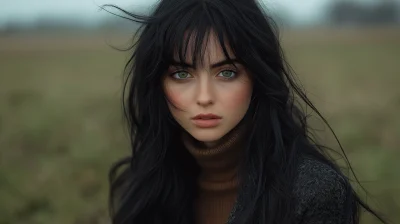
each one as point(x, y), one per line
point(206, 120)
point(206, 117)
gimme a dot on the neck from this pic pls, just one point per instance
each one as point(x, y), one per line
point(219, 161)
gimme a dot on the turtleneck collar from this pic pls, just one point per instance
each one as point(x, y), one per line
point(219, 163)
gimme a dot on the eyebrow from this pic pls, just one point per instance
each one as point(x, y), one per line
point(215, 65)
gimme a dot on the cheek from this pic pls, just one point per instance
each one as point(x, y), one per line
point(240, 98)
point(174, 96)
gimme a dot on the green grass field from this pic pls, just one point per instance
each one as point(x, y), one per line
point(61, 123)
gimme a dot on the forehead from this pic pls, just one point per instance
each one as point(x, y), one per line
point(210, 49)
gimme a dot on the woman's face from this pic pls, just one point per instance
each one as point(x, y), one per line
point(210, 100)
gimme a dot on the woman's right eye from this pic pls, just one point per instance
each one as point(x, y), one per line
point(181, 75)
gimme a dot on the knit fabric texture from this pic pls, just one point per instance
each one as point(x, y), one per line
point(320, 193)
point(218, 179)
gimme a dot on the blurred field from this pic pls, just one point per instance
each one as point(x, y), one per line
point(61, 123)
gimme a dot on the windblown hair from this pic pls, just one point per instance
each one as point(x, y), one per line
point(157, 184)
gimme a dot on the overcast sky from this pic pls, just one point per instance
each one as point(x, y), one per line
point(87, 10)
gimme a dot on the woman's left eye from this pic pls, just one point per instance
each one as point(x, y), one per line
point(227, 74)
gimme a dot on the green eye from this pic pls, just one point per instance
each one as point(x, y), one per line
point(181, 75)
point(227, 74)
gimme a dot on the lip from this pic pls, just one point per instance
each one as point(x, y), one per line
point(206, 117)
point(206, 120)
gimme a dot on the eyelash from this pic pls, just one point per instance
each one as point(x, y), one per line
point(225, 78)
point(229, 78)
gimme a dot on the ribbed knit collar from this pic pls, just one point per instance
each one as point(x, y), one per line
point(219, 164)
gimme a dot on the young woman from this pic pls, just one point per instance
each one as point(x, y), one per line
point(216, 131)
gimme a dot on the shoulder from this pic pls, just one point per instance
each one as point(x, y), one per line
point(315, 177)
point(321, 192)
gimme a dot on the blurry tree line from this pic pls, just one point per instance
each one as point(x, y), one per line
point(345, 12)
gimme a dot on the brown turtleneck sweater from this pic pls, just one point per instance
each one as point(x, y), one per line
point(218, 180)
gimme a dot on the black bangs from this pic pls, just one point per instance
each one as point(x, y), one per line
point(186, 32)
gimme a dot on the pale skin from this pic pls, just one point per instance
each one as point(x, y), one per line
point(215, 86)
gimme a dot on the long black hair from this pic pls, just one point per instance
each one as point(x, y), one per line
point(156, 184)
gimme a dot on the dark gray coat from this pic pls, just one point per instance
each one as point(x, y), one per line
point(320, 193)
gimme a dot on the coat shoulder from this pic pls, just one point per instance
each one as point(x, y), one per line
point(312, 175)
point(320, 190)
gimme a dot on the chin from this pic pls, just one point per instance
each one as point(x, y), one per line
point(207, 135)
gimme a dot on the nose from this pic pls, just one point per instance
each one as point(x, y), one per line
point(205, 96)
